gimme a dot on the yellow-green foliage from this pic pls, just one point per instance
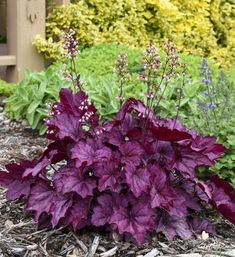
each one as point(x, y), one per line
point(202, 27)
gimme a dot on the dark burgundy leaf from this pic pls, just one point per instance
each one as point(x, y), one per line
point(173, 226)
point(219, 182)
point(59, 207)
point(13, 181)
point(188, 159)
point(107, 206)
point(89, 152)
point(40, 199)
point(109, 174)
point(131, 154)
point(223, 202)
point(136, 221)
point(166, 134)
point(71, 179)
point(78, 213)
point(199, 225)
point(138, 180)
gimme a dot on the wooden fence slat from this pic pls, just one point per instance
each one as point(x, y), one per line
point(7, 60)
point(25, 19)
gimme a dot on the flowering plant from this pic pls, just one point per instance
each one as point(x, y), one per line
point(132, 175)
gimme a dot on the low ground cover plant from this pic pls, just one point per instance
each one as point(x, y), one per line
point(6, 89)
point(132, 175)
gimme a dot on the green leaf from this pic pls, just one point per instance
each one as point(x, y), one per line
point(32, 107)
point(36, 120)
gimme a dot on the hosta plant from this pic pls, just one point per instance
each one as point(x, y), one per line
point(132, 175)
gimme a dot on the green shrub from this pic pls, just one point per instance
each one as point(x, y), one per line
point(6, 89)
point(29, 98)
point(203, 28)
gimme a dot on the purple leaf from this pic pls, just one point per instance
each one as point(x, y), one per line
point(41, 198)
point(67, 126)
point(164, 153)
point(138, 180)
point(202, 190)
point(107, 206)
point(54, 153)
point(131, 154)
point(208, 146)
point(135, 220)
point(199, 225)
point(38, 168)
point(188, 159)
point(89, 152)
point(130, 105)
point(13, 181)
point(70, 179)
point(173, 226)
point(59, 207)
point(161, 194)
point(177, 207)
point(78, 213)
point(109, 174)
point(222, 201)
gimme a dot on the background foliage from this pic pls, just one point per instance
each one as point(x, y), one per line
point(29, 98)
point(200, 27)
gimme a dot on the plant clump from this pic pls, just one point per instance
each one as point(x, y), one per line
point(132, 175)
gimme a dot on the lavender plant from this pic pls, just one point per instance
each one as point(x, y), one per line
point(213, 114)
point(132, 175)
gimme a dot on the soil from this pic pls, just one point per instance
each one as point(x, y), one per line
point(19, 235)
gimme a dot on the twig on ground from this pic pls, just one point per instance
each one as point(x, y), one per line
point(80, 243)
point(110, 252)
point(94, 247)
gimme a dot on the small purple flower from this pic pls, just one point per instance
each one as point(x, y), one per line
point(211, 106)
point(71, 44)
point(206, 81)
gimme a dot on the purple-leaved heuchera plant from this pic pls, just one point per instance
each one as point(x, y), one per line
point(132, 175)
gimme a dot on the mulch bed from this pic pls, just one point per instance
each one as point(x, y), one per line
point(19, 235)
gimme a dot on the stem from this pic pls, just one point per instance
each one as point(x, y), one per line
point(120, 94)
point(178, 107)
point(160, 83)
point(76, 75)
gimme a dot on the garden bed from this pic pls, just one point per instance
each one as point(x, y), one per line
point(19, 235)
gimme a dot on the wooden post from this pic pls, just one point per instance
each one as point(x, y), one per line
point(25, 19)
